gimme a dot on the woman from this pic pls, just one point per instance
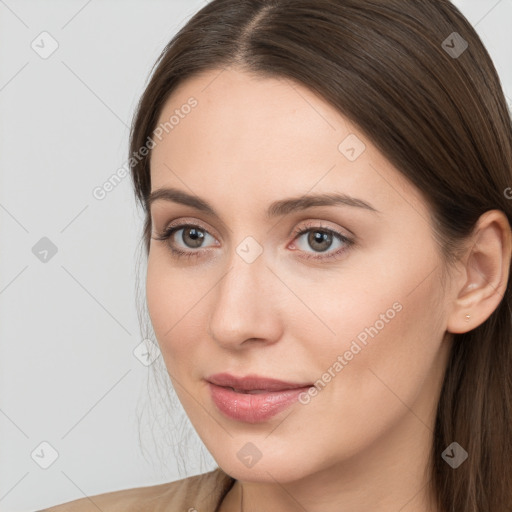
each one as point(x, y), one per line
point(326, 186)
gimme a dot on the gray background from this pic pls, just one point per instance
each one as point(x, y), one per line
point(69, 330)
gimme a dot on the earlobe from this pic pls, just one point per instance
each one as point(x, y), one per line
point(485, 273)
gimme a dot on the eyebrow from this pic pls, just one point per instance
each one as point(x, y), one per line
point(276, 209)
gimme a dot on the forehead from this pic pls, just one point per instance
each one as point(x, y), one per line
point(234, 109)
point(225, 130)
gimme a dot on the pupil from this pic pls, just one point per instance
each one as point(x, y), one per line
point(195, 235)
point(317, 237)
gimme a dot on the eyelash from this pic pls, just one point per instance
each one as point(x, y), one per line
point(178, 253)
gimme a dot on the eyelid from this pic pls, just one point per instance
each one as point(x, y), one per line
point(321, 225)
point(318, 224)
point(184, 221)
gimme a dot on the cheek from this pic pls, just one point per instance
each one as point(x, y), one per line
point(387, 339)
point(159, 295)
point(176, 298)
point(167, 298)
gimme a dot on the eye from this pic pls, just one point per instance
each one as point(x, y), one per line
point(192, 237)
point(320, 239)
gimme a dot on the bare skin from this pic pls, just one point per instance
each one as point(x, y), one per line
point(364, 440)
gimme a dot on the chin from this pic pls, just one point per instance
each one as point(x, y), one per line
point(267, 469)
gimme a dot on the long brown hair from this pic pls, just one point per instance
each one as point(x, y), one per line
point(401, 72)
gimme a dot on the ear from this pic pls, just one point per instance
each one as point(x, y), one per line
point(484, 275)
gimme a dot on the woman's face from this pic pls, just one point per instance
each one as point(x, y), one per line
point(353, 304)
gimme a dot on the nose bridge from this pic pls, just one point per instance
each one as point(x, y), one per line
point(242, 303)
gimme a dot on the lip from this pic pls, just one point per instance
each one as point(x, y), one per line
point(254, 399)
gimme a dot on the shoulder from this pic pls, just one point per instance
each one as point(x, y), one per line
point(196, 493)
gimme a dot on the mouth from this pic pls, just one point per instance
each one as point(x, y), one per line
point(253, 399)
point(254, 383)
point(249, 392)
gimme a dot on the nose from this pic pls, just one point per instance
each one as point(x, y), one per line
point(245, 305)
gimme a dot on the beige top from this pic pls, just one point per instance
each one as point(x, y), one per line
point(200, 493)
